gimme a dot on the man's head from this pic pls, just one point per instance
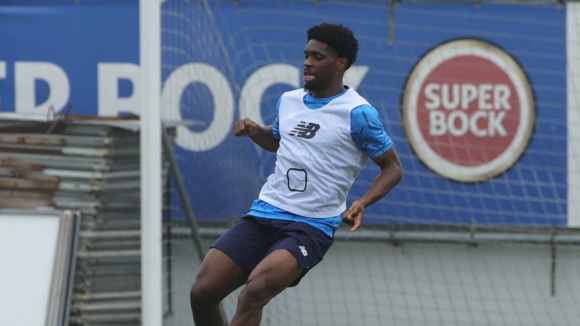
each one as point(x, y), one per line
point(331, 50)
point(338, 38)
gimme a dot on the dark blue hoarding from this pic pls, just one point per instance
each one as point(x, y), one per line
point(473, 96)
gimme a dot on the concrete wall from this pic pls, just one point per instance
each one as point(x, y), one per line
point(367, 284)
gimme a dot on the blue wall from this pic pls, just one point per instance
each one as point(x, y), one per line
point(238, 39)
point(256, 33)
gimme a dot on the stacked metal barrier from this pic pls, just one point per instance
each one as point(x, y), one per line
point(93, 167)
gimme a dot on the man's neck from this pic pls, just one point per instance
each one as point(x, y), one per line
point(328, 92)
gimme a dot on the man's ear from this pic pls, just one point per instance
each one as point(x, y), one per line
point(341, 63)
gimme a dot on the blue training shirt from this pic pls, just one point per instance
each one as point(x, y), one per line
point(366, 131)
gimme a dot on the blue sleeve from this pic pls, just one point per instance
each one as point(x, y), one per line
point(367, 131)
point(276, 126)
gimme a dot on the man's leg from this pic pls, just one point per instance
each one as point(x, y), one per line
point(270, 277)
point(218, 276)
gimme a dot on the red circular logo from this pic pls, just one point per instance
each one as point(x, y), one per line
point(468, 110)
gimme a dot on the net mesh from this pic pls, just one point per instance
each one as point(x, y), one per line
point(436, 250)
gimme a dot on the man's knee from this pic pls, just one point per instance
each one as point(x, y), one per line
point(259, 290)
point(201, 295)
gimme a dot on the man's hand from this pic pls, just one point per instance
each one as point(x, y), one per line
point(245, 127)
point(354, 215)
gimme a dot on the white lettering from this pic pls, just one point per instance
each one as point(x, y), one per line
point(26, 73)
point(108, 76)
point(2, 75)
point(488, 96)
point(458, 123)
point(354, 76)
point(473, 123)
point(501, 96)
point(495, 123)
point(258, 83)
point(468, 95)
point(437, 126)
point(223, 99)
point(434, 101)
point(485, 96)
point(110, 103)
point(463, 123)
point(448, 103)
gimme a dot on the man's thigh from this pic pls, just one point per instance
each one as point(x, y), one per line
point(246, 243)
point(218, 276)
point(307, 243)
point(253, 239)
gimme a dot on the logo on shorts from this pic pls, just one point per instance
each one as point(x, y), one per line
point(468, 110)
point(304, 130)
point(303, 249)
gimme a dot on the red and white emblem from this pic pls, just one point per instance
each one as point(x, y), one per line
point(468, 110)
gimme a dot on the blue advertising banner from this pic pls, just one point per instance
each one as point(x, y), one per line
point(56, 53)
point(473, 96)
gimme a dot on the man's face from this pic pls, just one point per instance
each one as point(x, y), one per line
point(320, 65)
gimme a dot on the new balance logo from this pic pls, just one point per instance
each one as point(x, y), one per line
point(304, 130)
point(303, 249)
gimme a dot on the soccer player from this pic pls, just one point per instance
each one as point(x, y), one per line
point(323, 136)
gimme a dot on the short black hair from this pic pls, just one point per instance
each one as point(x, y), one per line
point(338, 37)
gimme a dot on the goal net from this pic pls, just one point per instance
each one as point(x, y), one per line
point(480, 101)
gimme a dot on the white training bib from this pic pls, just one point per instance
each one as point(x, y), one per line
point(317, 161)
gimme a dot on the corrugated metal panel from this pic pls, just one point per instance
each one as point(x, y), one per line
point(92, 166)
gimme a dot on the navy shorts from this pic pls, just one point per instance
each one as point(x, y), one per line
point(254, 238)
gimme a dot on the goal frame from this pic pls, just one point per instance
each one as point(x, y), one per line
point(151, 176)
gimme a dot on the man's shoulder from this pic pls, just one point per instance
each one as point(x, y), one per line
point(354, 94)
point(298, 91)
point(352, 99)
point(293, 95)
point(365, 109)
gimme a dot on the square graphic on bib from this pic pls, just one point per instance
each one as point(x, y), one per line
point(297, 179)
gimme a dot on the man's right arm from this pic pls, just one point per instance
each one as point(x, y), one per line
point(262, 136)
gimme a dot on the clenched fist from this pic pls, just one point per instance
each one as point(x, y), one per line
point(245, 127)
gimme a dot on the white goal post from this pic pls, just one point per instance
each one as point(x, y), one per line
point(151, 259)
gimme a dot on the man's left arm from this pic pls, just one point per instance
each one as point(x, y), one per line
point(389, 176)
point(368, 132)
